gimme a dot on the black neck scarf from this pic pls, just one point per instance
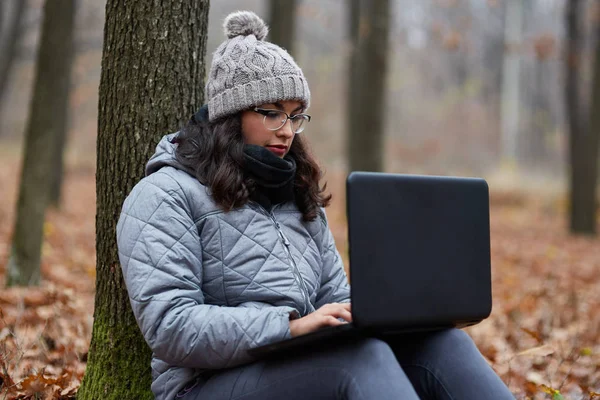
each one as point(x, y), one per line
point(273, 176)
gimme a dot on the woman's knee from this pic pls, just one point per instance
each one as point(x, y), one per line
point(378, 374)
point(371, 353)
point(452, 340)
point(372, 347)
point(450, 348)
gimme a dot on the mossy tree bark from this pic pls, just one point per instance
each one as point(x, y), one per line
point(152, 80)
point(47, 109)
point(367, 75)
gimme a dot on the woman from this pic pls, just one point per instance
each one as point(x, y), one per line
point(225, 245)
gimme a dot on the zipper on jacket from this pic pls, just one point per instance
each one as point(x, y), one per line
point(308, 308)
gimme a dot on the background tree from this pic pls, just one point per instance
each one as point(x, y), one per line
point(152, 79)
point(46, 119)
point(490, 22)
point(368, 67)
point(583, 137)
point(61, 119)
point(533, 151)
point(11, 15)
point(352, 103)
point(282, 23)
point(589, 203)
point(511, 81)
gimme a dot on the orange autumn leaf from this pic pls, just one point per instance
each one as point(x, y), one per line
point(533, 334)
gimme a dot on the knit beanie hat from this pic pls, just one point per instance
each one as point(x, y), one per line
point(247, 71)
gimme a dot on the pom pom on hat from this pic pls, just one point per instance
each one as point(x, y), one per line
point(245, 23)
point(247, 71)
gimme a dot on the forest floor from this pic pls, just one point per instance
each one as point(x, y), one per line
point(543, 336)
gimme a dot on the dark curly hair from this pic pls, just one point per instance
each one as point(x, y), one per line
point(215, 152)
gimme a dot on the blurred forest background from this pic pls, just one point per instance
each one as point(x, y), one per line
point(471, 87)
point(444, 86)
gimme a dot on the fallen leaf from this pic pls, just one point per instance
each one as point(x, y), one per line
point(541, 351)
point(556, 395)
point(535, 377)
point(536, 335)
point(36, 298)
point(5, 380)
point(586, 351)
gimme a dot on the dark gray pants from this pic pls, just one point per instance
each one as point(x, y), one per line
point(439, 365)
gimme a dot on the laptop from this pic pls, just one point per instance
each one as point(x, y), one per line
point(419, 250)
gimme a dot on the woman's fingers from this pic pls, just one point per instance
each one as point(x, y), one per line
point(345, 306)
point(330, 320)
point(336, 306)
point(346, 315)
point(328, 315)
point(337, 310)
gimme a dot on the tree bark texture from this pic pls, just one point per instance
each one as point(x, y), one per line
point(282, 23)
point(9, 35)
point(50, 98)
point(152, 80)
point(583, 137)
point(368, 71)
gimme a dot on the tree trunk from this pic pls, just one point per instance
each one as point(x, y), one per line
point(282, 23)
point(533, 149)
point(57, 169)
point(62, 118)
point(9, 35)
point(580, 219)
point(456, 57)
point(352, 103)
point(51, 89)
point(572, 106)
point(152, 80)
point(368, 67)
point(511, 81)
point(493, 55)
point(589, 205)
point(583, 140)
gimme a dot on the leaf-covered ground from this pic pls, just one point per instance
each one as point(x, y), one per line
point(543, 336)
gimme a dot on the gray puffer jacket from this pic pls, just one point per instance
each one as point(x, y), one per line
point(206, 285)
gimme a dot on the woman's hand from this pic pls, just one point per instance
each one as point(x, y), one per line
point(327, 315)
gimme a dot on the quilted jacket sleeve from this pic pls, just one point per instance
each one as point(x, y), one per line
point(161, 257)
point(334, 283)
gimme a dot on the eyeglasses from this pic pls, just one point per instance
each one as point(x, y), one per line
point(275, 119)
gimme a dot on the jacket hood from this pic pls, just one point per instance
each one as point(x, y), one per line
point(164, 155)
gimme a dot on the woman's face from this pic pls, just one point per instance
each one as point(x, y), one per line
point(277, 141)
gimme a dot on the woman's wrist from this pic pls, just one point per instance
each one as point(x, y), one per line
point(294, 327)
